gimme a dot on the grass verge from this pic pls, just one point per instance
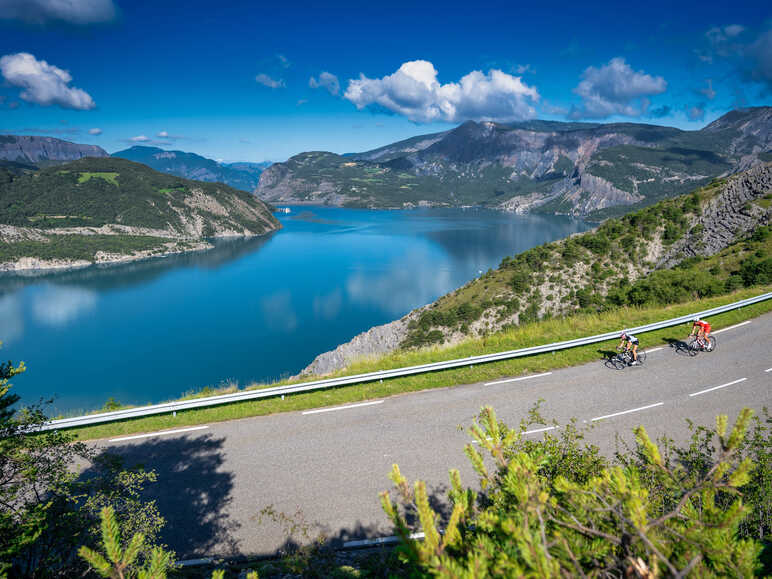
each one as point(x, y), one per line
point(543, 332)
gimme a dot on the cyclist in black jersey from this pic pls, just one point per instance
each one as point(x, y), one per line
point(630, 343)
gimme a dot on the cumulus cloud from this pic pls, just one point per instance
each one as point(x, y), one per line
point(43, 83)
point(140, 139)
point(95, 131)
point(414, 92)
point(72, 11)
point(326, 80)
point(615, 89)
point(266, 80)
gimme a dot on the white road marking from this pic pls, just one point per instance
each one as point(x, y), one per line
point(379, 541)
point(717, 387)
point(653, 350)
point(163, 433)
point(342, 407)
point(535, 430)
point(517, 379)
point(768, 370)
point(627, 411)
point(731, 327)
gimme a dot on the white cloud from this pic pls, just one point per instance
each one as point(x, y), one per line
point(615, 89)
point(414, 92)
point(266, 80)
point(95, 131)
point(73, 11)
point(163, 134)
point(326, 80)
point(43, 83)
point(140, 139)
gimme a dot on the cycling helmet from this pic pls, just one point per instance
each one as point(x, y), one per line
point(623, 336)
point(695, 320)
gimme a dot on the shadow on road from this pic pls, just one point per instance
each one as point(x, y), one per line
point(679, 346)
point(303, 534)
point(192, 493)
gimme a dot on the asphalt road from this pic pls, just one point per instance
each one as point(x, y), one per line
point(321, 471)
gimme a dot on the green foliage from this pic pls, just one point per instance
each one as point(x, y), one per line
point(80, 247)
point(556, 508)
point(119, 562)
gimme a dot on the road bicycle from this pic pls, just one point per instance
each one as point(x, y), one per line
point(624, 359)
point(697, 344)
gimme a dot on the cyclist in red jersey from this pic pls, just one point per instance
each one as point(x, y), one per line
point(701, 328)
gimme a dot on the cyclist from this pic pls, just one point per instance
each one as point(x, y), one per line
point(630, 344)
point(701, 329)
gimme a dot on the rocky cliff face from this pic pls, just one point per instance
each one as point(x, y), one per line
point(728, 216)
point(552, 167)
point(37, 150)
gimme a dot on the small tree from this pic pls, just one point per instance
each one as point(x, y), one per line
point(531, 519)
point(120, 562)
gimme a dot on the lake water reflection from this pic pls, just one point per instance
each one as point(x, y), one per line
point(247, 310)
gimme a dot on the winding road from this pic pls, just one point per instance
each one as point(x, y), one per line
point(321, 470)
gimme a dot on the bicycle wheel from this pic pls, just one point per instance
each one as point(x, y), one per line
point(618, 362)
point(711, 344)
point(641, 356)
point(693, 346)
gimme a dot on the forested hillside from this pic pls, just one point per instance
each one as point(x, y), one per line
point(100, 209)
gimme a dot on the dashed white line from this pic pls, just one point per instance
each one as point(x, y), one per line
point(731, 327)
point(768, 370)
point(627, 411)
point(653, 350)
point(518, 379)
point(535, 430)
point(162, 433)
point(342, 407)
point(717, 387)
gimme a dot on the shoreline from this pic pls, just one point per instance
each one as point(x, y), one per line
point(33, 265)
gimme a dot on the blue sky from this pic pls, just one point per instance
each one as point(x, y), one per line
point(244, 81)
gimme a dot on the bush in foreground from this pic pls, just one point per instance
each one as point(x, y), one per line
point(556, 508)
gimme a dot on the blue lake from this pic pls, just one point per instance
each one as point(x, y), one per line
point(248, 310)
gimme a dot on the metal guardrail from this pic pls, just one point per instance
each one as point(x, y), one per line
point(170, 407)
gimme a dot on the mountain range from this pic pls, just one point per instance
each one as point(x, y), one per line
point(586, 169)
point(240, 175)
